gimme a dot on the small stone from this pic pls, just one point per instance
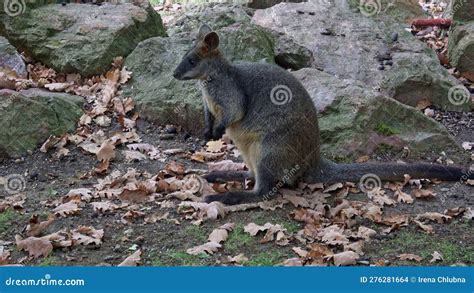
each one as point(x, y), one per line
point(389, 63)
point(170, 128)
point(381, 67)
point(394, 37)
point(327, 32)
point(166, 136)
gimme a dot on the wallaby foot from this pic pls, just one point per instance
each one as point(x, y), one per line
point(214, 134)
point(223, 176)
point(265, 188)
point(234, 197)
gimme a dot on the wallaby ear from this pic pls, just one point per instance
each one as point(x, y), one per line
point(203, 31)
point(211, 40)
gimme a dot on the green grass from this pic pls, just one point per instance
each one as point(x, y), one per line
point(386, 130)
point(50, 192)
point(47, 262)
point(197, 233)
point(424, 245)
point(179, 258)
point(267, 258)
point(6, 219)
point(237, 240)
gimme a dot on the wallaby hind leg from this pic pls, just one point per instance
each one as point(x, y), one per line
point(262, 191)
point(223, 176)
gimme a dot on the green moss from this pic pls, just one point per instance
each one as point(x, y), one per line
point(386, 130)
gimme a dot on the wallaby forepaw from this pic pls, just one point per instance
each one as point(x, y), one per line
point(208, 135)
point(218, 132)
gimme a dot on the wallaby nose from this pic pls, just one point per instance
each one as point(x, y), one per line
point(175, 74)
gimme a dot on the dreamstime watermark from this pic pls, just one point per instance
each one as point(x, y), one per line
point(459, 95)
point(179, 108)
point(464, 177)
point(13, 183)
point(281, 95)
point(457, 5)
point(14, 7)
point(193, 184)
point(45, 281)
point(320, 2)
point(369, 182)
point(284, 180)
point(370, 7)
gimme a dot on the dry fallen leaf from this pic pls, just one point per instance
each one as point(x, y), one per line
point(436, 256)
point(403, 197)
point(103, 206)
point(366, 233)
point(435, 217)
point(427, 228)
point(210, 210)
point(220, 234)
point(273, 232)
point(345, 258)
point(106, 151)
point(67, 209)
point(215, 146)
point(408, 256)
point(86, 235)
point(36, 247)
point(225, 165)
point(424, 193)
point(333, 187)
point(239, 258)
point(132, 260)
point(134, 156)
point(209, 247)
point(35, 227)
point(300, 252)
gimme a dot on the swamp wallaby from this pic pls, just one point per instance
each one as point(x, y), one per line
point(270, 117)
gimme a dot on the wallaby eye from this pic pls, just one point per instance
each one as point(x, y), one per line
point(192, 61)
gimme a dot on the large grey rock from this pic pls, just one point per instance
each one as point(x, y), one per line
point(10, 59)
point(348, 44)
point(81, 38)
point(462, 10)
point(28, 118)
point(287, 53)
point(461, 48)
point(355, 120)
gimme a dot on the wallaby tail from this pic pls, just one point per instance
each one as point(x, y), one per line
point(331, 172)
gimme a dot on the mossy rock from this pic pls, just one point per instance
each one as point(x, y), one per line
point(29, 117)
point(79, 37)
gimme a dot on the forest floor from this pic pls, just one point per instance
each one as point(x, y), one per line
point(166, 241)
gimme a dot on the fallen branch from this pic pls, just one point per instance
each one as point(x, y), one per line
point(441, 22)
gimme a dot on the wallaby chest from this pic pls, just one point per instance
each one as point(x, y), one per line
point(210, 99)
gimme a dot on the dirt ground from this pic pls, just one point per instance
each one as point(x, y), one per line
point(165, 242)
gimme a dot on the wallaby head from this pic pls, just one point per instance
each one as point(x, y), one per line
point(196, 62)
